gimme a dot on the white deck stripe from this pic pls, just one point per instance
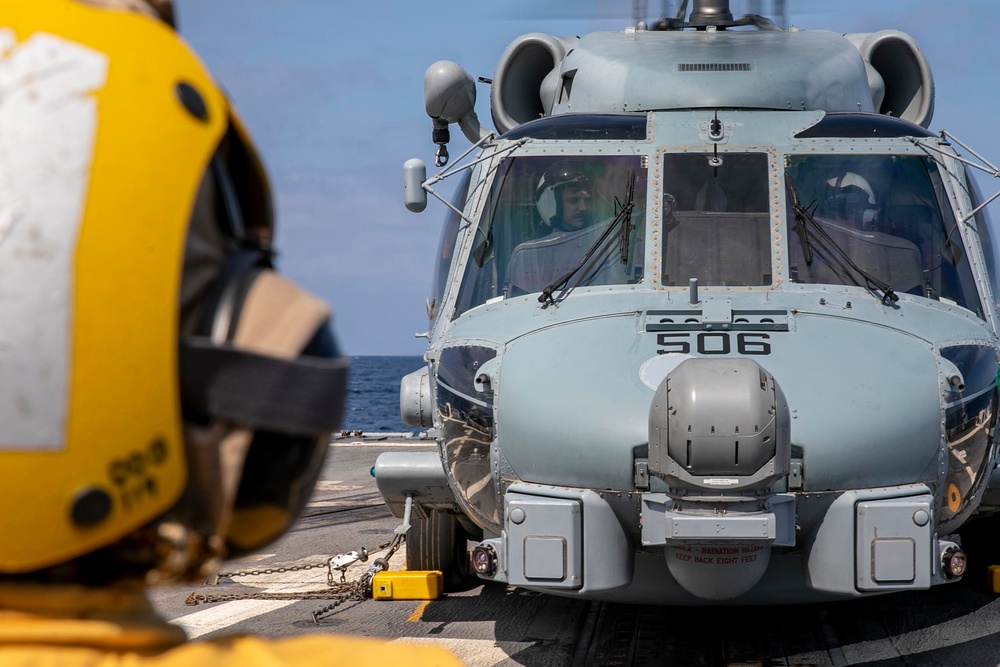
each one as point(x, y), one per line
point(472, 652)
point(392, 444)
point(981, 623)
point(220, 616)
point(225, 615)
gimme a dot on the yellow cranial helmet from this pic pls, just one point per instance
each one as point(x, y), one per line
point(165, 394)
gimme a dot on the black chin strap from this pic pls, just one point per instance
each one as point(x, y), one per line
point(302, 396)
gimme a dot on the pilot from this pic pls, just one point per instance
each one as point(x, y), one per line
point(851, 200)
point(167, 397)
point(564, 200)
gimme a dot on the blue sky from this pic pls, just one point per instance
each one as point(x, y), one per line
point(332, 92)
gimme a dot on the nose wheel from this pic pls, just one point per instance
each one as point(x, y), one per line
point(439, 543)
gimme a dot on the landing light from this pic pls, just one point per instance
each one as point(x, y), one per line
point(954, 563)
point(484, 560)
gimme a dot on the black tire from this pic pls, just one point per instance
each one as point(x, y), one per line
point(439, 543)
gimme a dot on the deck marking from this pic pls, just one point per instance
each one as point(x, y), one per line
point(319, 504)
point(224, 615)
point(418, 613)
point(256, 558)
point(472, 652)
point(383, 443)
point(976, 625)
point(227, 614)
point(336, 486)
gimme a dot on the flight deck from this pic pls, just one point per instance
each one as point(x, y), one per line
point(493, 624)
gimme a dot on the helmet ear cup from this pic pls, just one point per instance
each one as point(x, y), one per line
point(547, 204)
point(263, 366)
point(281, 465)
point(853, 199)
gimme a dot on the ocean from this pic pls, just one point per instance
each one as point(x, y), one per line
point(373, 399)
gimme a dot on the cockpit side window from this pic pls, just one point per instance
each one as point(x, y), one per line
point(716, 222)
point(989, 236)
point(446, 247)
point(885, 215)
point(544, 215)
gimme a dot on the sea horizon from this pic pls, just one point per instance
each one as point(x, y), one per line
point(373, 393)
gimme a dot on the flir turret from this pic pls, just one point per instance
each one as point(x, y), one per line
point(719, 436)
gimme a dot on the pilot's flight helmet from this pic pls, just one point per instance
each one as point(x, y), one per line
point(167, 396)
point(852, 199)
point(550, 185)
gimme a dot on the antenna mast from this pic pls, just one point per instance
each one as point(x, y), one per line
point(709, 11)
point(638, 11)
point(781, 13)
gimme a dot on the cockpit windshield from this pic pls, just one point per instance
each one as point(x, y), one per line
point(549, 217)
point(881, 217)
point(716, 221)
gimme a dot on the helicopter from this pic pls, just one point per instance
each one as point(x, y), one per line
point(714, 321)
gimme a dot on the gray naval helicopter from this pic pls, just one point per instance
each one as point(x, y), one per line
point(714, 321)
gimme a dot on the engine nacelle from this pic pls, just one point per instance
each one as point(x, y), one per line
point(898, 74)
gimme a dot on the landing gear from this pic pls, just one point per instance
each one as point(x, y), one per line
point(439, 543)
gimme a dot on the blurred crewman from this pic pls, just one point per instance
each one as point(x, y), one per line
point(167, 397)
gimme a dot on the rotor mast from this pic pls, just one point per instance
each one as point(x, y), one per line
point(710, 11)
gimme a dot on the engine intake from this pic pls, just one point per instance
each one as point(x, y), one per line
point(898, 74)
point(524, 86)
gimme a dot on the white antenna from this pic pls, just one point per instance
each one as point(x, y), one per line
point(638, 11)
point(781, 13)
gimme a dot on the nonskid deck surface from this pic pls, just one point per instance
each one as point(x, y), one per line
point(498, 625)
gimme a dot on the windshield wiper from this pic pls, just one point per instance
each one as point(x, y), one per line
point(800, 221)
point(812, 234)
point(623, 217)
point(625, 234)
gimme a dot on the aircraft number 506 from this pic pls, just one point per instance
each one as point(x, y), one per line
point(713, 342)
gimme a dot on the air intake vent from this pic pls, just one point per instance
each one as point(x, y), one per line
point(714, 67)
